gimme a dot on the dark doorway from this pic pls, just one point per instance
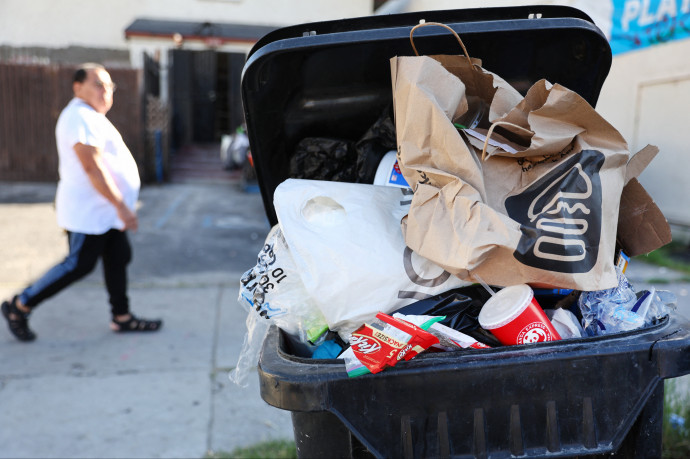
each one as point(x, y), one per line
point(206, 104)
point(205, 95)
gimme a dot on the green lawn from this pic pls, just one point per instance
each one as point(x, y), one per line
point(275, 449)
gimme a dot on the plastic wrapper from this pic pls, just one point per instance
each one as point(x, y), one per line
point(329, 349)
point(620, 309)
point(273, 293)
point(421, 339)
point(383, 343)
point(609, 311)
point(257, 328)
point(449, 339)
point(460, 308)
point(666, 302)
point(273, 290)
point(328, 346)
point(353, 366)
point(565, 323)
point(655, 304)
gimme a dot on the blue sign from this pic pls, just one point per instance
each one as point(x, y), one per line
point(638, 24)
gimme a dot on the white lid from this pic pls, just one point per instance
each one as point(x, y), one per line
point(386, 174)
point(505, 306)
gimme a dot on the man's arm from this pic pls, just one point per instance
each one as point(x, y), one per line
point(92, 162)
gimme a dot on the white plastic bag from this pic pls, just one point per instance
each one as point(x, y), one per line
point(565, 323)
point(272, 293)
point(257, 328)
point(273, 290)
point(348, 247)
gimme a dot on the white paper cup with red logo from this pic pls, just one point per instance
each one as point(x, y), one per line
point(514, 317)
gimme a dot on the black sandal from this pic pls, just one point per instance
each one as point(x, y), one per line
point(135, 324)
point(19, 327)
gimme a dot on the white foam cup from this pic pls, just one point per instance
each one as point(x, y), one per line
point(514, 317)
point(388, 172)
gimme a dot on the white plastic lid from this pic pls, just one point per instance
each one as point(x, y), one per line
point(387, 174)
point(505, 306)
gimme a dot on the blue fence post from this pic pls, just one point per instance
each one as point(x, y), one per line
point(158, 145)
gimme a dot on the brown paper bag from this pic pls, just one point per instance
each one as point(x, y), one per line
point(540, 208)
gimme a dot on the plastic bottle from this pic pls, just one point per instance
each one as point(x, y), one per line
point(477, 114)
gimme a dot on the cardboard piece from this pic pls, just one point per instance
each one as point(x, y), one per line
point(640, 161)
point(641, 225)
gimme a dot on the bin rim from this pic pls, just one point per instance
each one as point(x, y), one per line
point(374, 22)
point(670, 326)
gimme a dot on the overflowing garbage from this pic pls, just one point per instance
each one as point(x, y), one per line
point(480, 218)
point(337, 278)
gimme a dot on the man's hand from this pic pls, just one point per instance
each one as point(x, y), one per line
point(128, 217)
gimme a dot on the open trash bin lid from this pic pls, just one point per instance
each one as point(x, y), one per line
point(332, 79)
point(565, 398)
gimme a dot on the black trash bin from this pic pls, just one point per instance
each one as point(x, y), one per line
point(582, 397)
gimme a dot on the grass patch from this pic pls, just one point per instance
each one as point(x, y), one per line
point(676, 427)
point(274, 449)
point(658, 280)
point(675, 256)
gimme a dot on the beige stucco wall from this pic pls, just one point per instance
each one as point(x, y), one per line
point(646, 97)
point(97, 23)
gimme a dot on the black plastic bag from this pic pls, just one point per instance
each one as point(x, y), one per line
point(461, 307)
point(321, 158)
point(338, 160)
point(378, 140)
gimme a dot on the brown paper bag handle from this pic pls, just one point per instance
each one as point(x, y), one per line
point(462, 45)
point(491, 131)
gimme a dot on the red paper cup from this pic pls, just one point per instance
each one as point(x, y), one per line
point(514, 317)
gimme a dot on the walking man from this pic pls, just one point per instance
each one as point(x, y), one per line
point(95, 203)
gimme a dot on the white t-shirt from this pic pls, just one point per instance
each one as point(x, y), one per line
point(80, 208)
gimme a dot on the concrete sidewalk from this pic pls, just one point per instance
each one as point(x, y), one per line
point(81, 390)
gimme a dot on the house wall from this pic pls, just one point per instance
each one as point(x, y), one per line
point(646, 97)
point(99, 24)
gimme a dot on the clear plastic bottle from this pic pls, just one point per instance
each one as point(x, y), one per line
point(477, 114)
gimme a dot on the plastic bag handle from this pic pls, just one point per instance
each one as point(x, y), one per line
point(491, 131)
point(462, 45)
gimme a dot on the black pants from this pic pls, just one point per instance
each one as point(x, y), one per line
point(84, 250)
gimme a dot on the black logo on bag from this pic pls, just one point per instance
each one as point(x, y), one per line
point(560, 216)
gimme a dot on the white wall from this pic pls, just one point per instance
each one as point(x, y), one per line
point(646, 97)
point(101, 24)
point(599, 10)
